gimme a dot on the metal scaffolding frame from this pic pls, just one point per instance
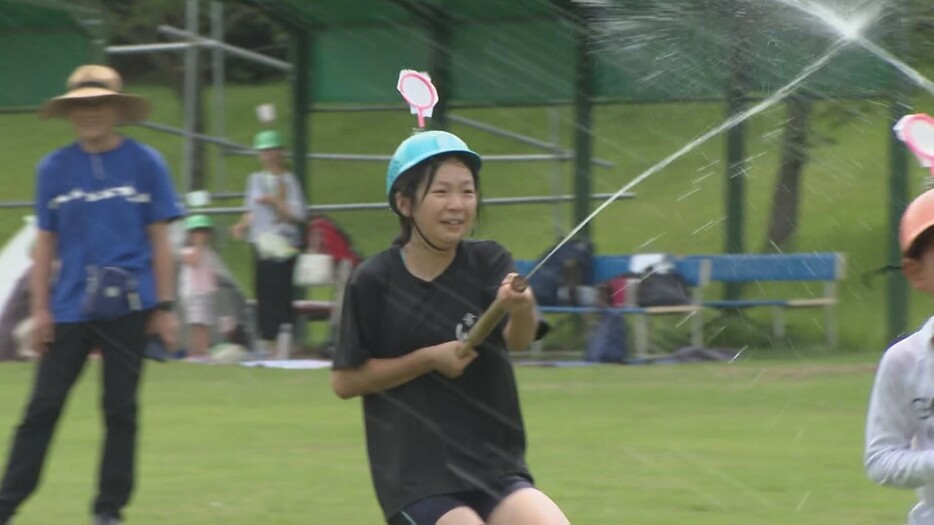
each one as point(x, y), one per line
point(190, 40)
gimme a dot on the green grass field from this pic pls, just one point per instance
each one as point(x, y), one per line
point(761, 441)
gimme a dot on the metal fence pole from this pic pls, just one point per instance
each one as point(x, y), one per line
point(899, 195)
point(193, 36)
point(218, 121)
point(736, 102)
point(190, 92)
point(524, 139)
point(364, 206)
point(557, 170)
point(148, 48)
point(584, 85)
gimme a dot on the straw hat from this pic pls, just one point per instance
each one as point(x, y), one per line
point(93, 81)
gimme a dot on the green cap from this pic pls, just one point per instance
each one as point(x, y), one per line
point(268, 139)
point(193, 222)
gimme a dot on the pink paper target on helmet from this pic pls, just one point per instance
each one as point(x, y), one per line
point(416, 88)
point(917, 131)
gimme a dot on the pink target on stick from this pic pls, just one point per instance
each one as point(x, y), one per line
point(419, 92)
point(917, 131)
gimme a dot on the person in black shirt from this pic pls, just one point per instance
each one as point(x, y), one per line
point(445, 436)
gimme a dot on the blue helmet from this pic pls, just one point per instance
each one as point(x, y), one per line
point(423, 146)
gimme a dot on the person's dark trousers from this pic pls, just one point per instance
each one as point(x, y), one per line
point(121, 344)
point(273, 286)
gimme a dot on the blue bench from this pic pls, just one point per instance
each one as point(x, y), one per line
point(826, 268)
point(695, 272)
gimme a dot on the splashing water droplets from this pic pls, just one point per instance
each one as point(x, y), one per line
point(850, 26)
point(851, 29)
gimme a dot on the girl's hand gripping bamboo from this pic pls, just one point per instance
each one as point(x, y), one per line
point(490, 318)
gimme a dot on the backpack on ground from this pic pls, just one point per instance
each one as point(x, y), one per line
point(662, 289)
point(660, 284)
point(571, 266)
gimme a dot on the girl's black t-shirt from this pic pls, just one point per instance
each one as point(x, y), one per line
point(434, 435)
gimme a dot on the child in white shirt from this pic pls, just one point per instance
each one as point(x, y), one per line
point(900, 426)
point(198, 283)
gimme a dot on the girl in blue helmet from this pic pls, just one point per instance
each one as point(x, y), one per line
point(445, 436)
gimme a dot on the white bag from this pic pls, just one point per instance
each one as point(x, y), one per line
point(272, 245)
point(314, 269)
point(641, 263)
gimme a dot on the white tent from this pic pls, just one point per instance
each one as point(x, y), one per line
point(15, 259)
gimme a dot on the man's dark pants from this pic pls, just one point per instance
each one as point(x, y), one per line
point(121, 343)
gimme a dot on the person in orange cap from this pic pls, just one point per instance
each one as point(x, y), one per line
point(900, 426)
point(103, 206)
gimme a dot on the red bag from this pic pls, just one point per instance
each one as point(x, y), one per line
point(618, 286)
point(325, 236)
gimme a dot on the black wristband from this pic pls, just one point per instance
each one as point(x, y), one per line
point(165, 306)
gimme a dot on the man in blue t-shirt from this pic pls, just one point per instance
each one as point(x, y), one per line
point(104, 204)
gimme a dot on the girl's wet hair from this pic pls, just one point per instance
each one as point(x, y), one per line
point(407, 186)
point(915, 251)
point(920, 244)
point(868, 277)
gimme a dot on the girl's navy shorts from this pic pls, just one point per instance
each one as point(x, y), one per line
point(428, 511)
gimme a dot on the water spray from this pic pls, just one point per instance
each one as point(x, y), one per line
point(780, 94)
point(496, 311)
point(852, 29)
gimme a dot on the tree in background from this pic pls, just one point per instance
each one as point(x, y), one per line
point(798, 137)
point(786, 196)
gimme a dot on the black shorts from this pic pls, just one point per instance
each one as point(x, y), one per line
point(429, 510)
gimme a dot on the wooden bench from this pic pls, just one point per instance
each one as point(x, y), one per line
point(826, 268)
point(696, 273)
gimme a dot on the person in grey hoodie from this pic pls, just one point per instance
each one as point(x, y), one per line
point(900, 426)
